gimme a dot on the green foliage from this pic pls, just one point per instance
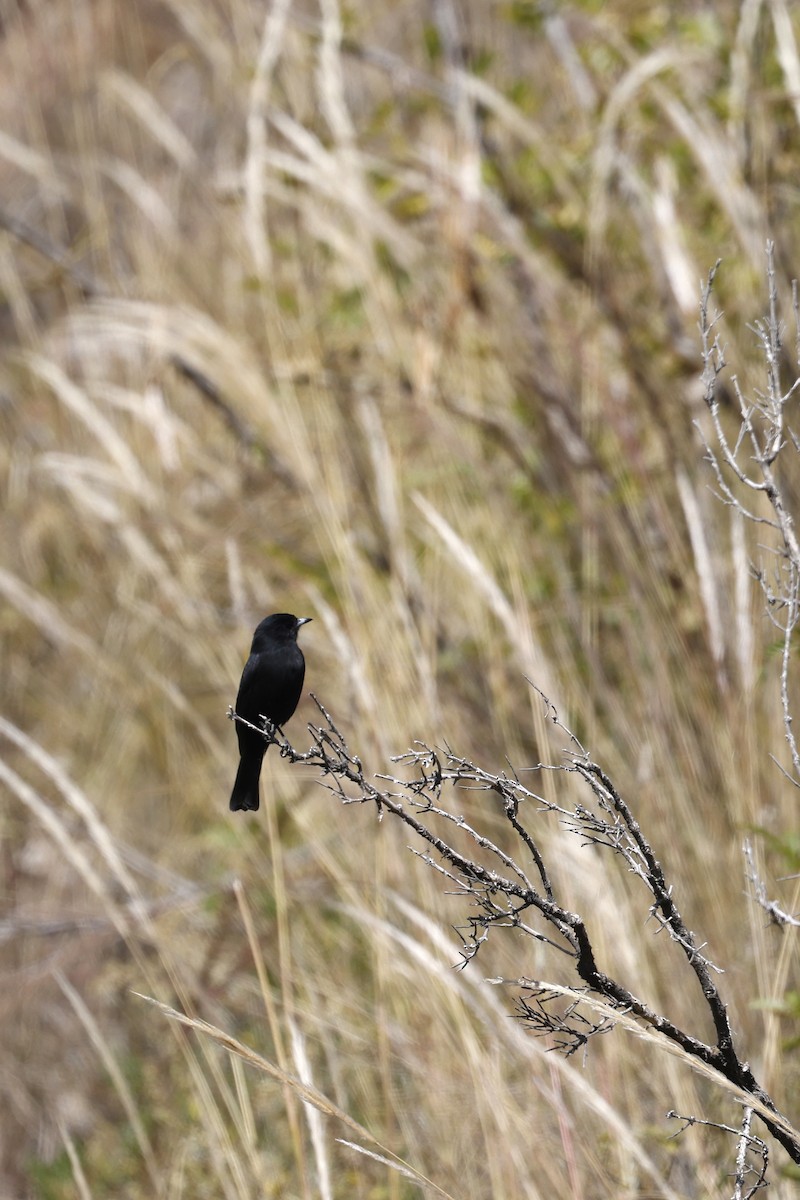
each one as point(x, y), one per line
point(786, 847)
point(432, 42)
point(53, 1180)
point(526, 13)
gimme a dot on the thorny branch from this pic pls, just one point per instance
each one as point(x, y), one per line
point(506, 890)
point(749, 1177)
point(569, 1030)
point(764, 435)
point(776, 914)
point(758, 462)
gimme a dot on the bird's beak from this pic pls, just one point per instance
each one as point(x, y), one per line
point(302, 621)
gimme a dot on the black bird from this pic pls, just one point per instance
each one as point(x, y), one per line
point(272, 681)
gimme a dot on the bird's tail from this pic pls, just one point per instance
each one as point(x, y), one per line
point(245, 789)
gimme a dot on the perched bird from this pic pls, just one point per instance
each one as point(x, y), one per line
point(272, 681)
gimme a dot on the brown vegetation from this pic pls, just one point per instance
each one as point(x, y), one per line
point(387, 315)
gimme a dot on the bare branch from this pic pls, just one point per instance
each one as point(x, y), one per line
point(759, 892)
point(748, 1178)
point(503, 893)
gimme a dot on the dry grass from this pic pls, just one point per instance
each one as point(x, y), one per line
point(345, 313)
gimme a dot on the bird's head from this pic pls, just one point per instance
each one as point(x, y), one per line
point(279, 627)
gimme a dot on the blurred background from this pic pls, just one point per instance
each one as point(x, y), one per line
point(384, 315)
